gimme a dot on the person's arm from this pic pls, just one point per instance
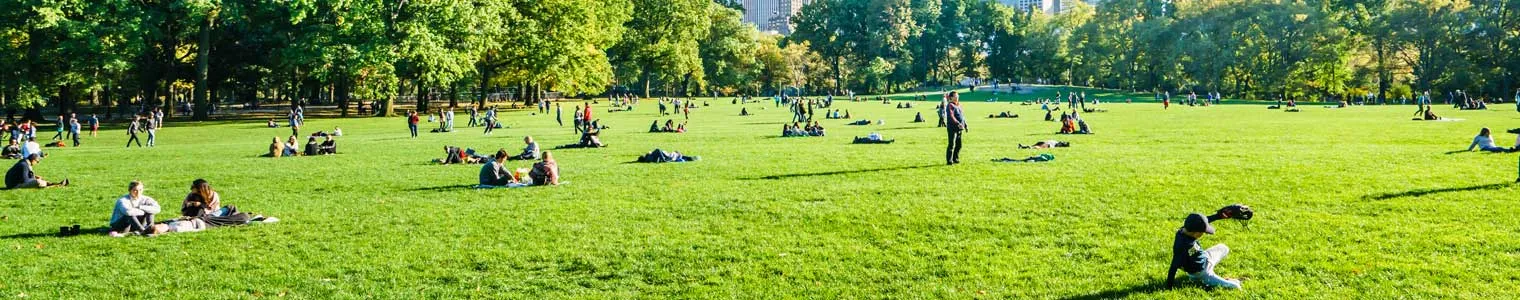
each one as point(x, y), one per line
point(125, 204)
point(1171, 275)
point(150, 206)
point(1473, 145)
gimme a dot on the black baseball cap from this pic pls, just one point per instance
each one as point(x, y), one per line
point(1196, 222)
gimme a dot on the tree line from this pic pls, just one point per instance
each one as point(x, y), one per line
point(137, 53)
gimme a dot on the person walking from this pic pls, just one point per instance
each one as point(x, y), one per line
point(955, 125)
point(559, 115)
point(411, 122)
point(474, 115)
point(133, 127)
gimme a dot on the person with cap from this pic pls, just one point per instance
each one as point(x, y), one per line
point(955, 124)
point(21, 176)
point(1199, 264)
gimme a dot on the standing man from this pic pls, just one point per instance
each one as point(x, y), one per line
point(586, 117)
point(152, 131)
point(94, 125)
point(411, 122)
point(448, 120)
point(74, 129)
point(955, 124)
point(132, 128)
point(559, 115)
point(474, 115)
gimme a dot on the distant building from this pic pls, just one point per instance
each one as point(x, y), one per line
point(1047, 6)
point(772, 15)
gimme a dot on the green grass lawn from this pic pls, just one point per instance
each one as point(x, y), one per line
point(1351, 203)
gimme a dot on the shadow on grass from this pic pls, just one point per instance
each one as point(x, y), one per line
point(442, 188)
point(785, 176)
point(1423, 192)
point(82, 232)
point(1123, 293)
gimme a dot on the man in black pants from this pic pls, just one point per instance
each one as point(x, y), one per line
point(132, 129)
point(955, 124)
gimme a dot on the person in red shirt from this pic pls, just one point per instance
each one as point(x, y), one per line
point(586, 117)
point(411, 122)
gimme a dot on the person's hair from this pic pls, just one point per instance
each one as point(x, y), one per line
point(501, 154)
point(132, 186)
point(527, 139)
point(1484, 132)
point(202, 189)
point(311, 139)
point(547, 156)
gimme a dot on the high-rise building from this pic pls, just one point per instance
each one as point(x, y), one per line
point(772, 15)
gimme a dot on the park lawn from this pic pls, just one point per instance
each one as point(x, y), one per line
point(1351, 203)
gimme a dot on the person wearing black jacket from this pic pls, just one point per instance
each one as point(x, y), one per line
point(1198, 263)
point(955, 124)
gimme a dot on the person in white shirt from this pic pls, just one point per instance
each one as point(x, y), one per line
point(31, 147)
point(1485, 141)
point(134, 212)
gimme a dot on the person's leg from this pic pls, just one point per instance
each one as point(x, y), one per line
point(957, 154)
point(950, 148)
point(1215, 255)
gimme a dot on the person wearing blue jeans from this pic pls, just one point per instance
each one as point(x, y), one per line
point(1198, 263)
point(1485, 141)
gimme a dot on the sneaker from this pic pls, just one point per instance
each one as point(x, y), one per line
point(116, 234)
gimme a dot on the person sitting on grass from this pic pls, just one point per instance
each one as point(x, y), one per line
point(291, 148)
point(681, 128)
point(530, 152)
point(873, 138)
point(661, 156)
point(312, 147)
point(134, 212)
point(815, 129)
point(1198, 263)
point(21, 175)
point(205, 204)
point(272, 124)
point(31, 147)
point(918, 117)
point(11, 151)
point(1067, 126)
point(494, 173)
point(1430, 114)
point(1485, 141)
point(743, 112)
point(790, 130)
point(1036, 158)
point(276, 148)
point(328, 147)
point(1046, 145)
point(589, 139)
point(545, 172)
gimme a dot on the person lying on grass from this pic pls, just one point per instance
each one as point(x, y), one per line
point(860, 123)
point(589, 139)
point(1036, 158)
point(204, 204)
point(494, 174)
point(662, 156)
point(1003, 115)
point(1485, 141)
point(1046, 145)
point(873, 138)
point(456, 155)
point(1198, 263)
point(529, 152)
point(21, 176)
point(134, 212)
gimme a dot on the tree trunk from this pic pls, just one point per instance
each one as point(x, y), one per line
point(202, 64)
point(454, 95)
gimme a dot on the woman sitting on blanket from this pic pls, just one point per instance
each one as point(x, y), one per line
point(545, 172)
point(205, 205)
point(494, 173)
point(1485, 141)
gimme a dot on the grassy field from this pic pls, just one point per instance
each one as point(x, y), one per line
point(1351, 203)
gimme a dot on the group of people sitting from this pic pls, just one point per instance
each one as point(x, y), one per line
point(1073, 124)
point(905, 105)
point(835, 115)
point(799, 130)
point(662, 156)
point(495, 174)
point(327, 147)
point(202, 209)
point(670, 127)
point(15, 149)
point(456, 155)
point(873, 138)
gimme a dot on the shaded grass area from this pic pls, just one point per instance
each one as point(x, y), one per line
point(1352, 203)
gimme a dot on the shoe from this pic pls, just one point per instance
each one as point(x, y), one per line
point(64, 183)
point(116, 234)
